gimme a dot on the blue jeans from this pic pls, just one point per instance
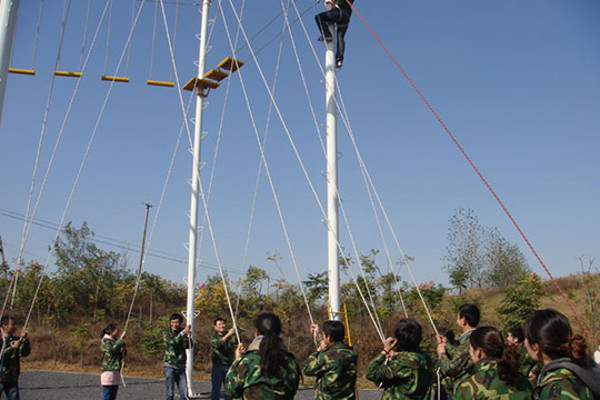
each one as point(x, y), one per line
point(217, 377)
point(10, 389)
point(110, 392)
point(341, 18)
point(175, 376)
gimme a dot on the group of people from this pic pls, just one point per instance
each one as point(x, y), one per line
point(542, 360)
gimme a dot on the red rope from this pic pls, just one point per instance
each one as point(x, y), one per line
point(472, 164)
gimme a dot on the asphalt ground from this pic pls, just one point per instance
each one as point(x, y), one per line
point(47, 385)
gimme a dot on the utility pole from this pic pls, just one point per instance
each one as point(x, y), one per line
point(332, 177)
point(141, 261)
point(8, 23)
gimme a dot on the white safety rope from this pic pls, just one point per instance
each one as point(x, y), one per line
point(82, 165)
point(266, 166)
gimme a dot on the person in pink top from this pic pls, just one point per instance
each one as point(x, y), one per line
point(113, 350)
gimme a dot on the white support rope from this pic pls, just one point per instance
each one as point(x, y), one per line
point(30, 219)
point(85, 32)
point(201, 187)
point(266, 165)
point(259, 173)
point(286, 129)
point(37, 35)
point(81, 166)
point(369, 291)
point(27, 224)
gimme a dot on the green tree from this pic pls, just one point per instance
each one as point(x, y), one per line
point(464, 256)
point(82, 337)
point(317, 286)
point(520, 301)
point(506, 264)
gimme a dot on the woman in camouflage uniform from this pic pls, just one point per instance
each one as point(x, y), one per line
point(402, 369)
point(496, 373)
point(568, 371)
point(113, 350)
point(266, 370)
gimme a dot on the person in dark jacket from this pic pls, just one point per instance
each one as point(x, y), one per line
point(338, 15)
point(13, 348)
point(568, 371)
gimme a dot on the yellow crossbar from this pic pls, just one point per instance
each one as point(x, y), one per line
point(67, 73)
point(115, 78)
point(160, 83)
point(21, 71)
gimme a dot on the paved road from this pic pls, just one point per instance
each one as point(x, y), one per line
point(46, 385)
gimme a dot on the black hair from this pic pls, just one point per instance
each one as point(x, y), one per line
point(271, 350)
point(470, 312)
point(551, 330)
point(4, 321)
point(335, 330)
point(449, 334)
point(177, 317)
point(408, 333)
point(217, 320)
point(517, 333)
point(110, 328)
point(489, 339)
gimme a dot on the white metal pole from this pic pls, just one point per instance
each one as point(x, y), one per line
point(193, 239)
point(8, 22)
point(332, 178)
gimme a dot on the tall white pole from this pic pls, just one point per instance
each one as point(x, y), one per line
point(193, 239)
point(332, 178)
point(8, 22)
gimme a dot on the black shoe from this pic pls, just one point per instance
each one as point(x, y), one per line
point(339, 64)
point(325, 38)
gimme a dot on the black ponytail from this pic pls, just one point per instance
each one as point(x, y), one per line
point(108, 330)
point(489, 339)
point(270, 349)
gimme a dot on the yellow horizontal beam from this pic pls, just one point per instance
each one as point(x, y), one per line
point(68, 73)
point(21, 71)
point(115, 78)
point(160, 83)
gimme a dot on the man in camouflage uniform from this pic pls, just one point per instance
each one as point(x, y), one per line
point(245, 380)
point(13, 348)
point(484, 383)
point(333, 364)
point(402, 370)
point(177, 340)
point(455, 363)
point(222, 344)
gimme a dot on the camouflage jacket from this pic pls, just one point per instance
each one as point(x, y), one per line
point(335, 369)
point(527, 363)
point(11, 359)
point(175, 346)
point(456, 362)
point(245, 380)
point(562, 384)
point(112, 354)
point(485, 383)
point(408, 375)
point(223, 351)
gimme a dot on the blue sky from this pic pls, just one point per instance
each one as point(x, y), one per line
point(516, 82)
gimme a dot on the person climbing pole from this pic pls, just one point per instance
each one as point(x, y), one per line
point(339, 14)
